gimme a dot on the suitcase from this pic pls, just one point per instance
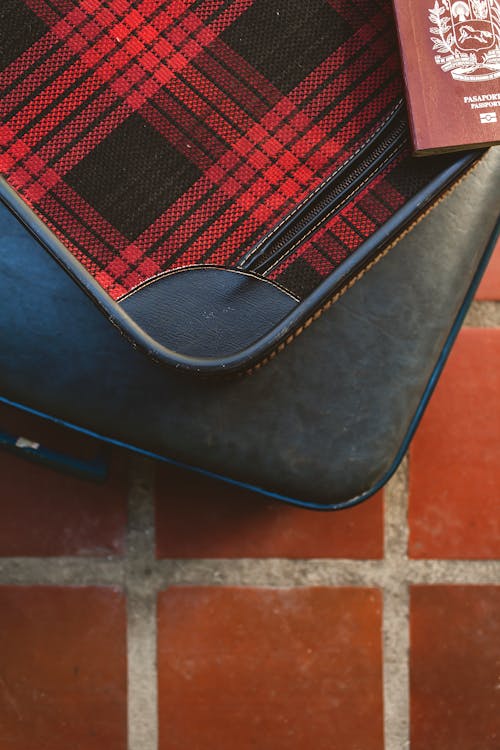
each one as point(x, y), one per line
point(324, 436)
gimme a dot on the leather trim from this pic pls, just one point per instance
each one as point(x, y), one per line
point(258, 351)
point(205, 311)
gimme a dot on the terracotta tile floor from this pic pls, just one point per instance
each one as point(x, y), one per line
point(63, 668)
point(455, 667)
point(294, 668)
point(164, 610)
point(455, 457)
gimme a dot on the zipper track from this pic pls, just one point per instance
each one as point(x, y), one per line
point(332, 196)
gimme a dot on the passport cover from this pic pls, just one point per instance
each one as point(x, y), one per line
point(451, 62)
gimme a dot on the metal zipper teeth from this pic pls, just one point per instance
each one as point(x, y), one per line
point(331, 198)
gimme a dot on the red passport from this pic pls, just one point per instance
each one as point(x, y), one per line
point(451, 62)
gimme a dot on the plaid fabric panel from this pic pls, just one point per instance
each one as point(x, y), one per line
point(157, 134)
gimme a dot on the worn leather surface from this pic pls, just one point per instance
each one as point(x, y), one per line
point(320, 423)
point(208, 312)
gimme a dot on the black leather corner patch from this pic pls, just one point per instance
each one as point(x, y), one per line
point(207, 311)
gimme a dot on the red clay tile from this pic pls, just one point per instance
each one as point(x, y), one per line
point(489, 288)
point(455, 668)
point(47, 513)
point(198, 517)
point(270, 669)
point(62, 669)
point(454, 458)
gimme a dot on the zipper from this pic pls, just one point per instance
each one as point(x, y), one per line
point(332, 196)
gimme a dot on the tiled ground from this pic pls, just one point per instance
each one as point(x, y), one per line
point(162, 610)
point(48, 514)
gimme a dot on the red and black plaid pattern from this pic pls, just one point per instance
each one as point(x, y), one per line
point(157, 134)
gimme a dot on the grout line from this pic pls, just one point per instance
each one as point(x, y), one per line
point(396, 532)
point(396, 680)
point(483, 314)
point(272, 572)
point(61, 571)
point(465, 572)
point(396, 670)
point(142, 699)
